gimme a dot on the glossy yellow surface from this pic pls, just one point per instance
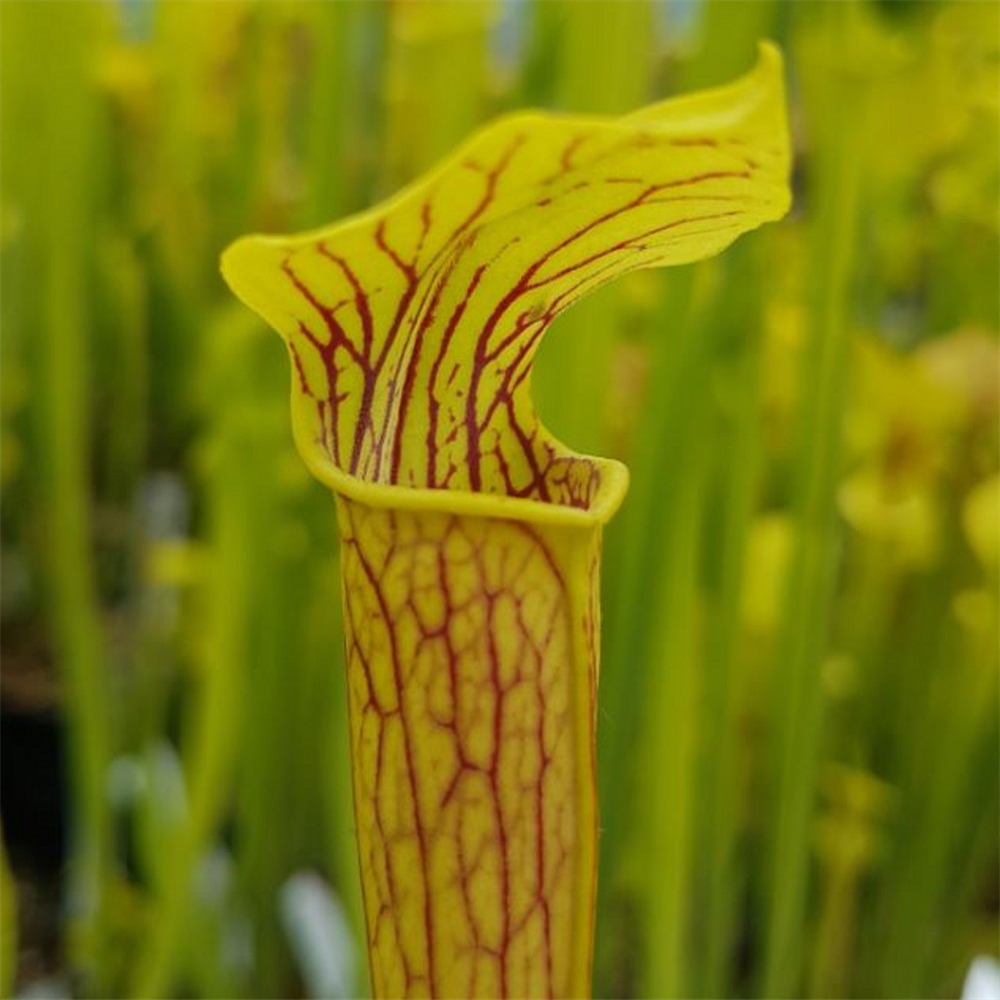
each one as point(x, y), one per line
point(412, 327)
point(471, 674)
point(470, 536)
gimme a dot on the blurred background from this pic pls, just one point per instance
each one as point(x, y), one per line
point(798, 716)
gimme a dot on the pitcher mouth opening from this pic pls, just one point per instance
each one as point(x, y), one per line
point(602, 506)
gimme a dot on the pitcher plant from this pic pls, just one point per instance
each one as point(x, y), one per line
point(470, 536)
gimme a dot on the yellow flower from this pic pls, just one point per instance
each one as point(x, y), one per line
point(470, 536)
point(917, 417)
point(981, 521)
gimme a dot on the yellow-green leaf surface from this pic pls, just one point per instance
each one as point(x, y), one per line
point(412, 327)
point(471, 665)
point(471, 537)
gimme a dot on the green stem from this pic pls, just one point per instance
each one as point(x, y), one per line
point(671, 732)
point(211, 736)
point(810, 585)
point(59, 145)
point(723, 772)
point(341, 111)
point(675, 356)
point(635, 578)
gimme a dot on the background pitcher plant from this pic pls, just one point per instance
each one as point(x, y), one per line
point(470, 536)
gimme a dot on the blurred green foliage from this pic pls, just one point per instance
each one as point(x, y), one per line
point(798, 714)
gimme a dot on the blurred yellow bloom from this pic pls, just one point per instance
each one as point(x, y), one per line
point(976, 611)
point(769, 548)
point(981, 521)
point(173, 563)
point(911, 416)
point(967, 365)
point(906, 520)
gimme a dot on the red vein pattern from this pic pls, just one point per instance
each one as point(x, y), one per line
point(413, 328)
point(473, 743)
point(437, 396)
point(473, 641)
